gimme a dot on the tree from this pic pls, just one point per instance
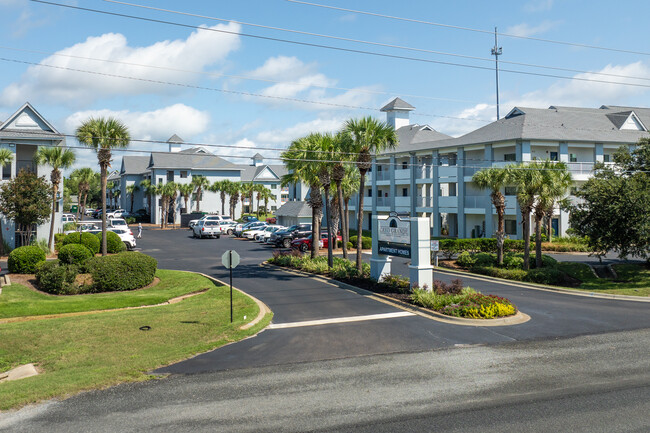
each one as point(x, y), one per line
point(368, 136)
point(221, 186)
point(267, 195)
point(116, 195)
point(556, 180)
point(494, 179)
point(168, 193)
point(528, 179)
point(103, 134)
point(247, 191)
point(615, 212)
point(58, 158)
point(233, 188)
point(342, 144)
point(260, 190)
point(186, 190)
point(109, 191)
point(200, 184)
point(6, 156)
point(26, 200)
point(349, 186)
point(131, 190)
point(83, 177)
point(149, 189)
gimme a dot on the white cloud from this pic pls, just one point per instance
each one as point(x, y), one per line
point(538, 6)
point(301, 81)
point(284, 137)
point(160, 124)
point(201, 49)
point(525, 29)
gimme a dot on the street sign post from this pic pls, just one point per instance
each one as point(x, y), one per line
point(230, 259)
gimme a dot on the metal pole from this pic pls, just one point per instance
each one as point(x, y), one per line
point(230, 266)
point(496, 52)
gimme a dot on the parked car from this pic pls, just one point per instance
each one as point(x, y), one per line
point(254, 227)
point(192, 223)
point(304, 244)
point(117, 223)
point(126, 235)
point(68, 218)
point(285, 237)
point(117, 213)
point(239, 228)
point(207, 229)
point(227, 226)
point(252, 234)
point(248, 218)
point(266, 233)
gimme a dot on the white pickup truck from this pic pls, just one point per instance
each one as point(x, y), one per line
point(207, 229)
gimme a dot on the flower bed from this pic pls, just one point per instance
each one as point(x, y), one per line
point(449, 299)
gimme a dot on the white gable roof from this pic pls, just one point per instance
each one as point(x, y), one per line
point(27, 119)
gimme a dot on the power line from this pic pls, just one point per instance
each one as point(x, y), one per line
point(422, 50)
point(350, 50)
point(509, 35)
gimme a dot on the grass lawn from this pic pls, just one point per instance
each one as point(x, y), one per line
point(17, 300)
point(632, 279)
point(99, 350)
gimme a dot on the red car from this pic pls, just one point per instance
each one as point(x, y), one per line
point(304, 244)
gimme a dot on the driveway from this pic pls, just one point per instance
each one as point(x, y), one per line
point(296, 299)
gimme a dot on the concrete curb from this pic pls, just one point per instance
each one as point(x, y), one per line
point(517, 319)
point(544, 287)
point(264, 309)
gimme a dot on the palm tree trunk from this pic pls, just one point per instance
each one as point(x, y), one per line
point(526, 230)
point(500, 235)
point(339, 192)
point(83, 209)
point(103, 170)
point(346, 231)
point(330, 254)
point(223, 206)
point(49, 242)
point(362, 185)
point(538, 240)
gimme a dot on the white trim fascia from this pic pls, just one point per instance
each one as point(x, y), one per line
point(20, 110)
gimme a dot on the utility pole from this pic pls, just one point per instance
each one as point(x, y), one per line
point(496, 52)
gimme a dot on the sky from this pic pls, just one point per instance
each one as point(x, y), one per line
point(225, 74)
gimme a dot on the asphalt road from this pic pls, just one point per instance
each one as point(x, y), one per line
point(583, 384)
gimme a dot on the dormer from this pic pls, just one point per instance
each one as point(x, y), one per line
point(627, 121)
point(515, 112)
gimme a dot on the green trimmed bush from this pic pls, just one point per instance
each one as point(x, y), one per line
point(74, 254)
point(551, 276)
point(465, 260)
point(89, 241)
point(512, 261)
point(114, 244)
point(508, 274)
point(123, 271)
point(57, 279)
point(72, 238)
point(23, 260)
point(366, 242)
point(58, 240)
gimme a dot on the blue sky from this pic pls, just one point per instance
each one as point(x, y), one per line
point(209, 66)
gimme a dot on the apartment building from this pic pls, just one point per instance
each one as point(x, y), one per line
point(430, 174)
point(22, 133)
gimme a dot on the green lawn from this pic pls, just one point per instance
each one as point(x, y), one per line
point(18, 301)
point(632, 279)
point(98, 350)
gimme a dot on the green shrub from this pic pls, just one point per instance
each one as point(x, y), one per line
point(513, 245)
point(396, 283)
point(465, 260)
point(366, 242)
point(74, 254)
point(52, 277)
point(512, 261)
point(508, 274)
point(485, 259)
point(123, 271)
point(23, 260)
point(130, 220)
point(547, 261)
point(69, 226)
point(552, 276)
point(114, 244)
point(58, 240)
point(89, 241)
point(72, 238)
point(42, 244)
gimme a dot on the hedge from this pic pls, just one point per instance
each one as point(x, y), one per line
point(123, 271)
point(450, 247)
point(58, 279)
point(72, 238)
point(114, 244)
point(366, 242)
point(23, 260)
point(90, 241)
point(74, 254)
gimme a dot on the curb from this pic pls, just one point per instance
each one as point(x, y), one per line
point(517, 319)
point(545, 288)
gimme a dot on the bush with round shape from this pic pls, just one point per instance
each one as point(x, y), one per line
point(366, 242)
point(56, 278)
point(90, 241)
point(72, 238)
point(465, 260)
point(74, 254)
point(114, 244)
point(123, 271)
point(23, 260)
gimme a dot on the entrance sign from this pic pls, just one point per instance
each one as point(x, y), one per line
point(394, 237)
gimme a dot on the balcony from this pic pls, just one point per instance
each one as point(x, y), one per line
point(403, 202)
point(581, 168)
point(424, 172)
point(25, 165)
point(448, 202)
point(402, 174)
point(425, 202)
point(383, 175)
point(477, 201)
point(381, 201)
point(448, 171)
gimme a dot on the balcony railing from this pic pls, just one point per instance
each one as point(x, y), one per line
point(383, 175)
point(477, 201)
point(381, 201)
point(424, 172)
point(425, 202)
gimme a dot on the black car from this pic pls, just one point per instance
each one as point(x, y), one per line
point(283, 238)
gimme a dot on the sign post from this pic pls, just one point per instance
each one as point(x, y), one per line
point(230, 259)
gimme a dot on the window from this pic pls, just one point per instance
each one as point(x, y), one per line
point(369, 192)
point(510, 190)
point(274, 208)
point(183, 174)
point(554, 156)
point(573, 157)
point(511, 227)
point(605, 158)
point(170, 175)
point(6, 172)
point(274, 186)
point(405, 192)
point(404, 165)
point(386, 194)
point(160, 180)
point(510, 157)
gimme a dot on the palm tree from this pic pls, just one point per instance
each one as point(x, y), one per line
point(247, 190)
point(109, 188)
point(528, 179)
point(6, 156)
point(116, 196)
point(58, 158)
point(556, 180)
point(186, 190)
point(342, 143)
point(494, 179)
point(233, 189)
point(301, 159)
point(83, 176)
point(168, 193)
point(103, 134)
point(148, 189)
point(221, 186)
point(267, 195)
point(349, 186)
point(200, 183)
point(131, 190)
point(259, 189)
point(368, 136)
